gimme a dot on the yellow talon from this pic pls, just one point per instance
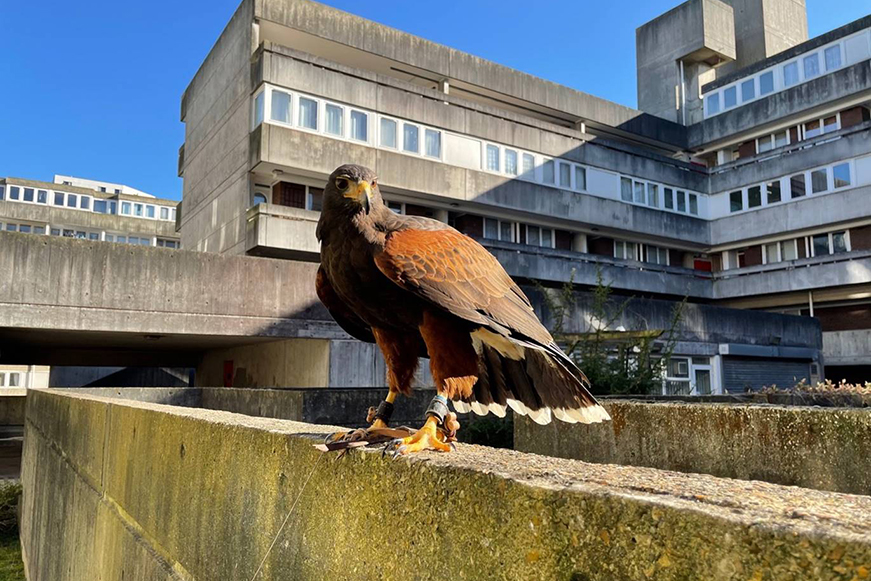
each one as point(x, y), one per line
point(426, 438)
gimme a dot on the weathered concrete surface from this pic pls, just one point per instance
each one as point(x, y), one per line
point(822, 448)
point(12, 408)
point(152, 492)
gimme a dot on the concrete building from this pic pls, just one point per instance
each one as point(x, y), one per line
point(742, 180)
point(85, 209)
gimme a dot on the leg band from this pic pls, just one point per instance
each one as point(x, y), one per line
point(384, 412)
point(438, 408)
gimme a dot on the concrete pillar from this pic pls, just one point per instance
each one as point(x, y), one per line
point(579, 242)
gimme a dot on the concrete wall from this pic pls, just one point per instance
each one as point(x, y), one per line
point(217, 116)
point(847, 348)
point(288, 363)
point(128, 490)
point(821, 448)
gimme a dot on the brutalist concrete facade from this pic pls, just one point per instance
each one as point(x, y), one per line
point(699, 198)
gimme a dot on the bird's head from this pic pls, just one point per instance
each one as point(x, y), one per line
point(352, 187)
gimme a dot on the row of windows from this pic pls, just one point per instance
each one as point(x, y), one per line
point(800, 69)
point(516, 232)
point(342, 121)
point(301, 111)
point(647, 194)
point(87, 235)
point(83, 202)
point(641, 252)
point(823, 244)
point(10, 379)
point(817, 181)
point(525, 165)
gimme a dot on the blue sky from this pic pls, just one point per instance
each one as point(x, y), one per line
point(92, 88)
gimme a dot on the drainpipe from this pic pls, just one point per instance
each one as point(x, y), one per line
point(810, 301)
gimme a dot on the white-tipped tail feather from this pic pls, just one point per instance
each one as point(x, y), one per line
point(586, 415)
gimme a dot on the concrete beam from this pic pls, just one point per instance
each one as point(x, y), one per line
point(165, 493)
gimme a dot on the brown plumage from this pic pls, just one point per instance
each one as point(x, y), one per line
point(417, 287)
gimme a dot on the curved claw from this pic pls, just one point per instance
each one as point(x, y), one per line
point(391, 446)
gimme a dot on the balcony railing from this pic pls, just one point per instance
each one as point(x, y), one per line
point(793, 264)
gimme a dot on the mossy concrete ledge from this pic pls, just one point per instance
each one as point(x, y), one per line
point(115, 489)
point(813, 447)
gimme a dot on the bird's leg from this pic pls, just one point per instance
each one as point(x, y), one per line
point(380, 417)
point(433, 434)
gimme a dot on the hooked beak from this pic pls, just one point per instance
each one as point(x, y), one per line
point(362, 193)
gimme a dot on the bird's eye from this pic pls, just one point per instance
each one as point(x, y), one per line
point(342, 184)
point(375, 183)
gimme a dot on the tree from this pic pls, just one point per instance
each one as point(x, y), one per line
point(615, 361)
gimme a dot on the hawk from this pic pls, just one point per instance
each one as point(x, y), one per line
point(418, 288)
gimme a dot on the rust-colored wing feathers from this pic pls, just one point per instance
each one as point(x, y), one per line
point(459, 275)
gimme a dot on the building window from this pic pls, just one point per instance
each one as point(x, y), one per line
point(830, 124)
point(410, 135)
point(335, 120)
point(58, 198)
point(507, 231)
point(677, 377)
point(694, 204)
point(280, 106)
point(811, 66)
point(258, 199)
point(388, 133)
point(625, 250)
point(640, 197)
point(100, 206)
point(764, 144)
point(781, 139)
point(841, 173)
point(2, 191)
point(529, 166)
point(308, 113)
point(85, 203)
point(126, 208)
point(359, 126)
point(773, 191)
point(433, 143)
point(533, 235)
point(797, 187)
point(580, 178)
point(736, 201)
point(713, 103)
point(839, 242)
point(28, 194)
point(511, 162)
point(41, 197)
point(565, 175)
point(626, 189)
point(164, 211)
point(315, 199)
point(681, 201)
point(788, 250)
point(833, 57)
point(149, 211)
point(754, 196)
point(730, 97)
point(656, 255)
point(71, 200)
point(766, 83)
point(748, 90)
point(819, 181)
point(492, 158)
point(790, 74)
point(549, 172)
point(258, 109)
point(653, 195)
point(24, 228)
point(812, 129)
point(668, 198)
point(137, 210)
point(14, 193)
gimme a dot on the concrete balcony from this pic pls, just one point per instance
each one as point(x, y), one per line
point(548, 264)
point(847, 348)
point(282, 232)
point(795, 275)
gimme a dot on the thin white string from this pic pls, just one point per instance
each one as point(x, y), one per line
point(290, 512)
